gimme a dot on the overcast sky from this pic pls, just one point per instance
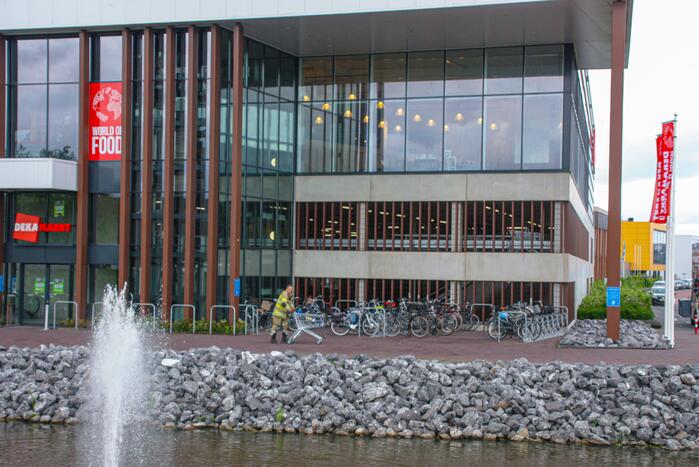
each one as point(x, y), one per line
point(662, 78)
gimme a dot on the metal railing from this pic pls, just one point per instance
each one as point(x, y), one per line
point(211, 316)
point(372, 309)
point(92, 314)
point(62, 302)
point(183, 305)
point(250, 314)
point(135, 306)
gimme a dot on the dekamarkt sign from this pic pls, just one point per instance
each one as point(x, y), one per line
point(27, 228)
point(105, 121)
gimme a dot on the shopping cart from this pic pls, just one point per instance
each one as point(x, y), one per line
point(305, 322)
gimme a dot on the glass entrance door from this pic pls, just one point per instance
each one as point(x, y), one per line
point(33, 293)
point(43, 284)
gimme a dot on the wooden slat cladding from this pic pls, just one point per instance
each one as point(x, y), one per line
point(576, 239)
point(191, 168)
point(147, 169)
point(83, 195)
point(169, 172)
point(125, 164)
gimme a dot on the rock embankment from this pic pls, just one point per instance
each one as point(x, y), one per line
point(634, 335)
point(406, 397)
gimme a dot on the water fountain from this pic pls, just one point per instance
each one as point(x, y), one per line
point(118, 382)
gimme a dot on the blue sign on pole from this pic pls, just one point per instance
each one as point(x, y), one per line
point(613, 296)
point(236, 287)
point(2, 283)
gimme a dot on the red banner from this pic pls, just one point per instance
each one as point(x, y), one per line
point(665, 146)
point(105, 121)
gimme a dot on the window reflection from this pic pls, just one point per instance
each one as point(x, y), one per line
point(387, 136)
point(424, 135)
point(464, 72)
point(463, 126)
point(388, 76)
point(503, 133)
point(316, 79)
point(543, 68)
point(63, 60)
point(425, 74)
point(352, 77)
point(31, 61)
point(351, 136)
point(107, 54)
point(543, 131)
point(503, 70)
point(30, 126)
point(63, 121)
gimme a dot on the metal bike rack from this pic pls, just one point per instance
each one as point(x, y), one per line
point(211, 315)
point(183, 305)
point(489, 306)
point(509, 312)
point(362, 310)
point(62, 302)
point(135, 306)
point(92, 314)
point(351, 303)
point(250, 312)
point(553, 324)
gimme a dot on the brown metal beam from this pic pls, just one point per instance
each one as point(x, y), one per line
point(83, 194)
point(191, 169)
point(236, 159)
point(169, 172)
point(214, 167)
point(147, 170)
point(125, 164)
point(3, 123)
point(616, 119)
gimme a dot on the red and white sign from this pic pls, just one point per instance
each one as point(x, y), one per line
point(105, 121)
point(27, 228)
point(665, 146)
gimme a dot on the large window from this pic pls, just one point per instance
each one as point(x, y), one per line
point(659, 242)
point(497, 109)
point(50, 208)
point(43, 77)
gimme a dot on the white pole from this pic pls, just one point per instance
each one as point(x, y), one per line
point(670, 253)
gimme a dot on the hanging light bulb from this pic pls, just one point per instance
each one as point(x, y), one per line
point(382, 124)
point(319, 120)
point(306, 98)
point(352, 96)
point(398, 128)
point(480, 120)
point(365, 119)
point(273, 162)
point(348, 113)
point(417, 118)
point(430, 122)
point(400, 112)
point(459, 117)
point(379, 105)
point(325, 106)
point(493, 126)
point(271, 235)
point(446, 127)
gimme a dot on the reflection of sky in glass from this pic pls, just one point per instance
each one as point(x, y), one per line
point(63, 60)
point(31, 61)
point(503, 133)
point(424, 145)
point(30, 132)
point(110, 58)
point(462, 133)
point(63, 120)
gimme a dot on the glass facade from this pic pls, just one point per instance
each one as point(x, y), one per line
point(495, 109)
point(43, 97)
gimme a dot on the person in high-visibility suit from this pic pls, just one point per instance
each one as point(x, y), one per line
point(280, 316)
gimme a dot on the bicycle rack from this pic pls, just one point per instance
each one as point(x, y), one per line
point(250, 314)
point(183, 305)
point(510, 312)
point(62, 302)
point(92, 314)
point(553, 325)
point(211, 315)
point(362, 310)
point(350, 303)
point(135, 306)
point(489, 306)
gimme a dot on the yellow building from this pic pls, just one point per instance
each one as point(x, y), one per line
point(643, 247)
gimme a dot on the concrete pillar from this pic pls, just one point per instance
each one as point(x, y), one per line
point(557, 227)
point(361, 231)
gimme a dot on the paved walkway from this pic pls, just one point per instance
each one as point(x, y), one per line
point(461, 346)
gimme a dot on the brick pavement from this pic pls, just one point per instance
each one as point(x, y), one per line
point(461, 346)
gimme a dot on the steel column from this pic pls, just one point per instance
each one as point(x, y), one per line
point(147, 169)
point(191, 168)
point(168, 265)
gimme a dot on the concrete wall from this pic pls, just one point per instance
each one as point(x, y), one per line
point(519, 267)
point(683, 255)
point(558, 186)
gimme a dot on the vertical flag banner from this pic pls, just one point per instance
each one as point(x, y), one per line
point(105, 121)
point(665, 147)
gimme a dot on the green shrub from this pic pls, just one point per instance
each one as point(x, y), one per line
point(642, 282)
point(635, 301)
point(202, 327)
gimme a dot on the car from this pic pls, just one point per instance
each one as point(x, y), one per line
point(678, 284)
point(657, 293)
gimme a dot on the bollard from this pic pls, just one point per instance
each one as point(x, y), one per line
point(46, 317)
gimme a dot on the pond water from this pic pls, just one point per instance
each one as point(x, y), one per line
point(28, 445)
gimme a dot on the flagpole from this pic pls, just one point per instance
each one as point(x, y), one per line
point(669, 322)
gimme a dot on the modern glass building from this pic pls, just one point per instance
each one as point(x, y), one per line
point(211, 154)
